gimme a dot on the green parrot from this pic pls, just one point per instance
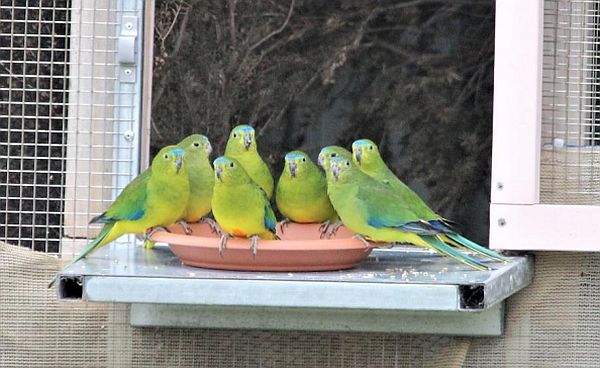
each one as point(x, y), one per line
point(330, 227)
point(370, 209)
point(240, 206)
point(154, 199)
point(301, 193)
point(367, 158)
point(241, 146)
point(202, 180)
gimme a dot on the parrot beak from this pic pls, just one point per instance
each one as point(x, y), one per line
point(320, 160)
point(208, 148)
point(219, 173)
point(358, 154)
point(293, 168)
point(247, 140)
point(335, 170)
point(178, 162)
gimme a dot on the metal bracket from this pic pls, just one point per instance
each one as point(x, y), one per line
point(126, 47)
point(488, 322)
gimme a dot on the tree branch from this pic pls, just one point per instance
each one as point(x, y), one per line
point(277, 31)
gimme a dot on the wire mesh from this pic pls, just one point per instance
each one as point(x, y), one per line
point(61, 119)
point(570, 152)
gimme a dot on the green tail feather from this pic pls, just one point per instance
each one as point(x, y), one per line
point(447, 250)
point(90, 248)
point(476, 247)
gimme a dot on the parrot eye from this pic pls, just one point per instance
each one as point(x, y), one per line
point(166, 156)
point(196, 144)
point(333, 154)
point(234, 135)
point(371, 147)
point(303, 159)
point(231, 164)
point(347, 163)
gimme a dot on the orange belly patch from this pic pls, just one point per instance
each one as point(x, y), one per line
point(238, 232)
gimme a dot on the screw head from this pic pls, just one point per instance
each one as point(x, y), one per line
point(129, 25)
point(127, 72)
point(501, 222)
point(128, 135)
point(499, 185)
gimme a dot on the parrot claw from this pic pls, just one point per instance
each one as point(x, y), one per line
point(284, 224)
point(214, 227)
point(334, 229)
point(363, 240)
point(153, 230)
point(324, 228)
point(186, 227)
point(148, 242)
point(223, 243)
point(254, 245)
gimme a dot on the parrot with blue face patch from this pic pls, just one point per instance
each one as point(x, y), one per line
point(240, 206)
point(156, 198)
point(330, 227)
point(241, 146)
point(367, 158)
point(301, 192)
point(370, 209)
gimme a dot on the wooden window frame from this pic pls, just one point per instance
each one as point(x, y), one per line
point(518, 221)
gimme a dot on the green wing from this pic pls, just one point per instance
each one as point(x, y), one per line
point(270, 220)
point(385, 209)
point(412, 199)
point(130, 203)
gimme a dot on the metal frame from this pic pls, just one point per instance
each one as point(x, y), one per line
point(517, 219)
point(391, 284)
point(111, 156)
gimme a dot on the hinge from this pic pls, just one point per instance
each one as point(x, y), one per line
point(126, 48)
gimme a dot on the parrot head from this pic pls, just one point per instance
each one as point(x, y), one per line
point(229, 171)
point(340, 168)
point(329, 152)
point(196, 143)
point(296, 163)
point(241, 138)
point(365, 152)
point(169, 160)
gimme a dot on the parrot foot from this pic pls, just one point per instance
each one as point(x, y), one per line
point(148, 242)
point(334, 229)
point(254, 245)
point(214, 227)
point(223, 243)
point(153, 230)
point(284, 224)
point(363, 240)
point(324, 228)
point(186, 227)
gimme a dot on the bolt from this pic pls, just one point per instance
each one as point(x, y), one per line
point(499, 185)
point(128, 135)
point(501, 222)
point(127, 72)
point(129, 25)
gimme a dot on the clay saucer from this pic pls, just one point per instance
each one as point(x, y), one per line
point(300, 249)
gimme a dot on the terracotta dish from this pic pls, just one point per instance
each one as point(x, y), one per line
point(299, 249)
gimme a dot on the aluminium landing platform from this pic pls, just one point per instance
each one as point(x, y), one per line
point(404, 289)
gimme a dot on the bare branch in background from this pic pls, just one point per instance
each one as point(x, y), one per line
point(277, 31)
point(414, 75)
